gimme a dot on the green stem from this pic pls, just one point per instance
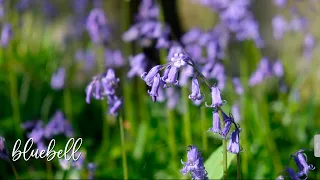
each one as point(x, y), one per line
point(14, 170)
point(204, 129)
point(238, 167)
point(224, 144)
point(15, 103)
point(124, 158)
point(67, 103)
point(186, 116)
point(171, 135)
point(65, 174)
point(49, 170)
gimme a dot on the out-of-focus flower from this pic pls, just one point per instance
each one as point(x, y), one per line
point(3, 149)
point(2, 12)
point(237, 86)
point(308, 45)
point(236, 112)
point(58, 125)
point(104, 85)
point(6, 34)
point(263, 71)
point(87, 57)
point(97, 26)
point(147, 28)
point(280, 3)
point(80, 6)
point(23, 5)
point(113, 58)
point(226, 129)
point(298, 23)
point(37, 133)
point(191, 36)
point(234, 146)
point(216, 127)
point(138, 64)
point(280, 27)
point(278, 69)
point(91, 170)
point(216, 97)
point(172, 97)
point(194, 165)
point(58, 79)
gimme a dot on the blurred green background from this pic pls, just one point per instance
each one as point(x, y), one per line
point(274, 124)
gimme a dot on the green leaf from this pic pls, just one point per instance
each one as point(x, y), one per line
point(214, 165)
point(141, 141)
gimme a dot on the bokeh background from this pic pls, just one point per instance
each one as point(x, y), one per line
point(278, 116)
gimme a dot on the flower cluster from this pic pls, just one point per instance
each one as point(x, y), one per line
point(170, 76)
point(57, 125)
point(6, 34)
point(300, 159)
point(234, 144)
point(265, 70)
point(147, 26)
point(194, 165)
point(104, 85)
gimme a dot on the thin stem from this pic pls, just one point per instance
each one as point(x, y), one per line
point(224, 144)
point(67, 103)
point(124, 158)
point(49, 170)
point(65, 173)
point(238, 167)
point(15, 103)
point(14, 169)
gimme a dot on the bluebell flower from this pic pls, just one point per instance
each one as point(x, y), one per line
point(298, 23)
point(216, 97)
point(58, 125)
point(4, 154)
point(149, 77)
point(6, 34)
point(237, 86)
point(114, 104)
point(195, 94)
point(309, 43)
point(194, 165)
point(79, 6)
point(97, 26)
point(138, 64)
point(87, 57)
point(109, 82)
point(37, 133)
point(300, 159)
point(155, 87)
point(114, 58)
point(23, 5)
point(280, 27)
point(280, 3)
point(235, 109)
point(278, 69)
point(2, 12)
point(58, 79)
point(292, 174)
point(226, 129)
point(191, 36)
point(216, 127)
point(263, 71)
point(234, 145)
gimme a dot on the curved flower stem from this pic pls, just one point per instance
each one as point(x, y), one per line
point(224, 144)
point(238, 167)
point(13, 169)
point(124, 157)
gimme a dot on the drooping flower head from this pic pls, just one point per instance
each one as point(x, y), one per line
point(216, 127)
point(194, 165)
point(300, 159)
point(234, 145)
point(216, 97)
point(195, 94)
